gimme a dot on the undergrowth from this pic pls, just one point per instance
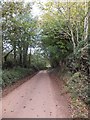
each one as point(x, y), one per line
point(10, 76)
point(77, 85)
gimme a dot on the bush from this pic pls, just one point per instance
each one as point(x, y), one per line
point(79, 65)
point(10, 76)
point(78, 84)
point(8, 64)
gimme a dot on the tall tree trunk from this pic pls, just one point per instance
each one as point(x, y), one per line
point(25, 50)
point(86, 22)
point(20, 56)
point(20, 53)
point(14, 48)
point(86, 27)
point(77, 23)
point(89, 27)
point(30, 57)
point(73, 41)
point(77, 33)
point(70, 26)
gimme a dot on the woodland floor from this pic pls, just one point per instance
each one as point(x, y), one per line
point(42, 96)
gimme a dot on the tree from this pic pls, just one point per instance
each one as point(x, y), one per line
point(19, 29)
point(62, 27)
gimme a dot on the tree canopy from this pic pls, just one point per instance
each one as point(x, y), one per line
point(64, 29)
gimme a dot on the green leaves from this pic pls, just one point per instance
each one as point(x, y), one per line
point(19, 29)
point(62, 28)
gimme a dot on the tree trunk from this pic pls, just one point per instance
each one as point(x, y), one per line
point(70, 27)
point(30, 57)
point(14, 52)
point(77, 23)
point(74, 45)
point(20, 53)
point(20, 57)
point(77, 34)
point(86, 22)
point(86, 28)
point(5, 57)
point(89, 28)
point(25, 50)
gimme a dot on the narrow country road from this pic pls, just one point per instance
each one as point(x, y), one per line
point(36, 98)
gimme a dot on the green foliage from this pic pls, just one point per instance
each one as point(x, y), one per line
point(11, 76)
point(56, 24)
point(19, 31)
point(38, 61)
point(8, 64)
point(79, 86)
point(58, 37)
